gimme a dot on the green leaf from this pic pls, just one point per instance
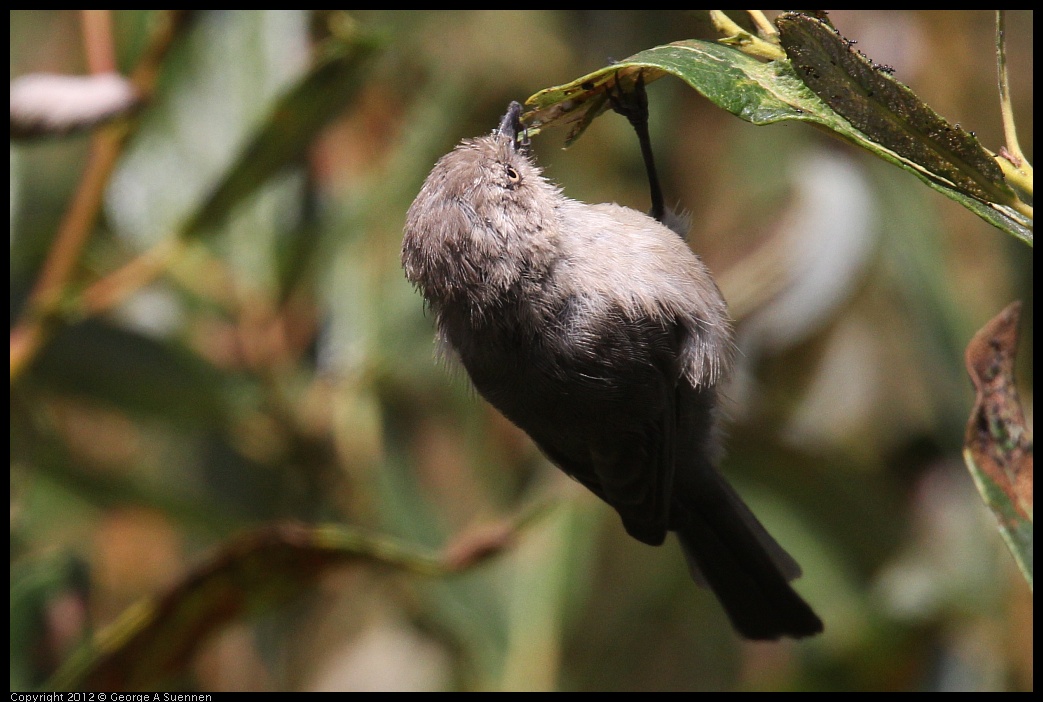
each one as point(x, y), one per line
point(732, 80)
point(137, 374)
point(295, 120)
point(760, 93)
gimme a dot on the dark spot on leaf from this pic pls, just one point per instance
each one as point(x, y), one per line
point(886, 111)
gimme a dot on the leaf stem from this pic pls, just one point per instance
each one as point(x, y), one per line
point(765, 28)
point(736, 36)
point(1009, 130)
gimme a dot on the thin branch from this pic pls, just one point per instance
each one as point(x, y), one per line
point(78, 223)
point(98, 42)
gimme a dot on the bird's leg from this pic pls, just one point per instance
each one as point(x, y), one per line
point(634, 106)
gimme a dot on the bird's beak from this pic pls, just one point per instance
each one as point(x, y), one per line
point(510, 125)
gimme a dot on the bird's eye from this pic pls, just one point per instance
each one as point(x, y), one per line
point(513, 175)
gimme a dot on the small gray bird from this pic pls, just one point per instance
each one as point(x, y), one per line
point(596, 330)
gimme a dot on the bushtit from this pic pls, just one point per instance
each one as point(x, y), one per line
point(596, 330)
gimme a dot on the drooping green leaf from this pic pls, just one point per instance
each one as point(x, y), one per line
point(744, 86)
point(757, 92)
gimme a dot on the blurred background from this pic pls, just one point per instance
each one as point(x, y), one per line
point(279, 367)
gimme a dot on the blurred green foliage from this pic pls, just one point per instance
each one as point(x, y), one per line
point(278, 367)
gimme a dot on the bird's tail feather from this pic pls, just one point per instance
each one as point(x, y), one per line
point(729, 551)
